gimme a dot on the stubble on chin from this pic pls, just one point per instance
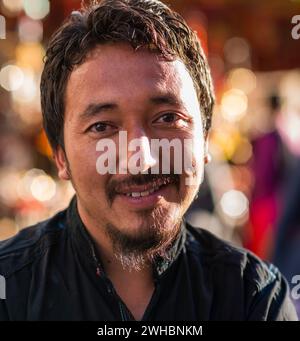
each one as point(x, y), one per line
point(139, 248)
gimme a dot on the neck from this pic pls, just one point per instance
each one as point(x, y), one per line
point(134, 287)
point(111, 264)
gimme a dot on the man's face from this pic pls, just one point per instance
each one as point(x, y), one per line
point(117, 89)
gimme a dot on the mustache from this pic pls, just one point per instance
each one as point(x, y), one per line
point(139, 180)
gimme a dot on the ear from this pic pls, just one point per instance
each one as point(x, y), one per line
point(61, 163)
point(207, 156)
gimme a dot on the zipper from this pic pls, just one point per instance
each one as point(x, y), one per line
point(122, 312)
point(109, 286)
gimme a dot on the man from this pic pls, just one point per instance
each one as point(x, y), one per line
point(121, 251)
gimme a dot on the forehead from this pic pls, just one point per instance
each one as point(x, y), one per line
point(116, 69)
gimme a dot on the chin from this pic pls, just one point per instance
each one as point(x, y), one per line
point(160, 218)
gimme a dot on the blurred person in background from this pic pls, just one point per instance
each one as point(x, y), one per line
point(287, 243)
point(121, 250)
point(269, 170)
point(286, 253)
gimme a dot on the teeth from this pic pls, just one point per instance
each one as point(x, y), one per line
point(155, 188)
point(135, 194)
point(143, 194)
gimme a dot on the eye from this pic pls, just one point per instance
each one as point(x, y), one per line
point(101, 127)
point(172, 119)
point(167, 118)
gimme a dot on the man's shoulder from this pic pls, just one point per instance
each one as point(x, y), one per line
point(30, 243)
point(242, 275)
point(217, 253)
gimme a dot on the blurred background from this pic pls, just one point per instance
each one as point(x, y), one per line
point(251, 193)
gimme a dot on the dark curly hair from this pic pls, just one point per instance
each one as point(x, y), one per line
point(141, 23)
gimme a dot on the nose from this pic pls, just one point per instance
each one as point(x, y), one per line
point(135, 152)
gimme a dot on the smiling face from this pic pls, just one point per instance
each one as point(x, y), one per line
point(117, 89)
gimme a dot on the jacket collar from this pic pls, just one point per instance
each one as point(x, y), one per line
point(86, 247)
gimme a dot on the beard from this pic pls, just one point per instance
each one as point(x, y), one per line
point(158, 231)
point(159, 227)
point(154, 238)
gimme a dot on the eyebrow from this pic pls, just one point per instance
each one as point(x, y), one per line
point(96, 108)
point(169, 99)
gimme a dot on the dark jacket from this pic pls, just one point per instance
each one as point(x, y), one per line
point(52, 272)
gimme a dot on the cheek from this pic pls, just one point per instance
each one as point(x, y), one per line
point(82, 160)
point(194, 158)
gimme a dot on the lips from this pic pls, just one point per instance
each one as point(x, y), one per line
point(143, 190)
